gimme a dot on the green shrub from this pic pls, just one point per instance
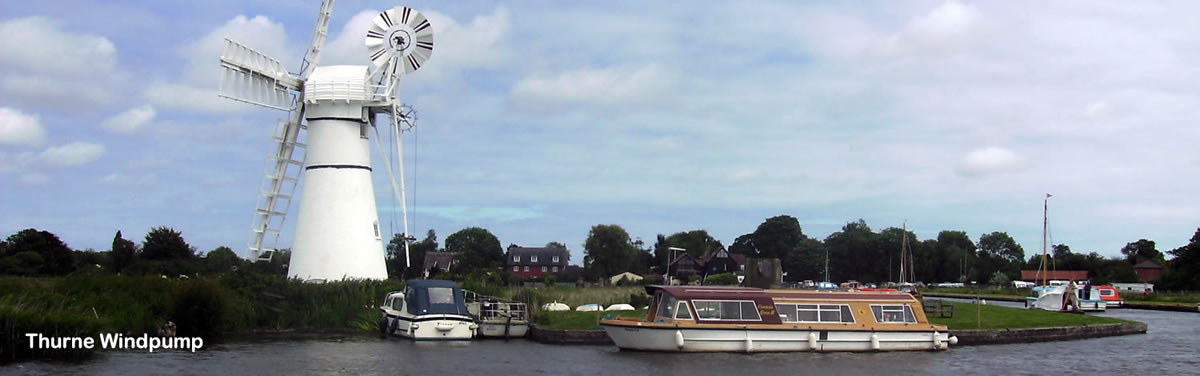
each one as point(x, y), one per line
point(723, 279)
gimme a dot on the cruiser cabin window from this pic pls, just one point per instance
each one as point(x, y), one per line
point(726, 310)
point(815, 313)
point(666, 306)
point(682, 312)
point(893, 313)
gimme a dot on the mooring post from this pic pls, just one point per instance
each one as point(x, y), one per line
point(978, 312)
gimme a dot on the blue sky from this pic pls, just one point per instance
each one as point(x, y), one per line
point(541, 119)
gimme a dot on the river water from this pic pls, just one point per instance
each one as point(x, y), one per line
point(1169, 348)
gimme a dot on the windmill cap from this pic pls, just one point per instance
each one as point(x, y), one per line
point(338, 83)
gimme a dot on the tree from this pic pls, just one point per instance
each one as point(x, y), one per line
point(556, 245)
point(998, 252)
point(1184, 266)
point(696, 242)
point(416, 253)
point(1140, 250)
point(221, 260)
point(954, 255)
point(776, 237)
point(163, 243)
point(53, 257)
point(608, 251)
point(476, 249)
point(855, 253)
point(123, 252)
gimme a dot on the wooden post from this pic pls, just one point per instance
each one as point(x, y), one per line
point(978, 312)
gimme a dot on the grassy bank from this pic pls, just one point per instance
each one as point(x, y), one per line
point(85, 305)
point(998, 317)
point(1172, 298)
point(573, 320)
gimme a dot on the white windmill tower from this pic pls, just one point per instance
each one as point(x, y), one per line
point(332, 112)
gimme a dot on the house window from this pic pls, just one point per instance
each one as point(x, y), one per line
point(516, 258)
point(893, 313)
point(726, 310)
point(526, 267)
point(556, 269)
point(533, 258)
point(555, 259)
point(543, 269)
point(516, 268)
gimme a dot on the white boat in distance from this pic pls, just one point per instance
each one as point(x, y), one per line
point(497, 318)
point(427, 310)
point(739, 319)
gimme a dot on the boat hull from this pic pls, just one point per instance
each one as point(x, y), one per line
point(679, 339)
point(431, 327)
point(497, 330)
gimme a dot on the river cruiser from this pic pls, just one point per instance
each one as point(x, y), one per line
point(1110, 296)
point(741, 319)
point(497, 318)
point(427, 310)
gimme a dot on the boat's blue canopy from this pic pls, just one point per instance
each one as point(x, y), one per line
point(433, 296)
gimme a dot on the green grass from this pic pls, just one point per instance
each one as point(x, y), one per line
point(997, 317)
point(579, 320)
point(1169, 298)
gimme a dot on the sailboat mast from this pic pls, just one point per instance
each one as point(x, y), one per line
point(903, 249)
point(1045, 213)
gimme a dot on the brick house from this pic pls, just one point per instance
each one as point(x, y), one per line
point(1148, 271)
point(536, 262)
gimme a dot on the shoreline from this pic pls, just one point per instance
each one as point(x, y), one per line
point(971, 337)
point(1019, 299)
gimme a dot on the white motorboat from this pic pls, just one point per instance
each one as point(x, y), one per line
point(498, 318)
point(427, 310)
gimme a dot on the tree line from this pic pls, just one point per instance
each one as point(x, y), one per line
point(856, 252)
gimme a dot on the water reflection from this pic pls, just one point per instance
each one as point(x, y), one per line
point(1167, 348)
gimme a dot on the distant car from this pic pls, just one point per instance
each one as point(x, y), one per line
point(826, 285)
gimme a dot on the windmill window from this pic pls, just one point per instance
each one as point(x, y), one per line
point(376, 226)
point(362, 130)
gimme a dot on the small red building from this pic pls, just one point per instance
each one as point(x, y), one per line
point(1148, 271)
point(536, 262)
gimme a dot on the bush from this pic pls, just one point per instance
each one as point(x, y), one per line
point(639, 300)
point(723, 279)
point(199, 310)
point(549, 280)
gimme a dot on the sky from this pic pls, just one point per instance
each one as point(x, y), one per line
point(540, 119)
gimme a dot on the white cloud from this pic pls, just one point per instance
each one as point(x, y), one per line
point(602, 86)
point(480, 43)
point(33, 178)
point(45, 65)
point(130, 121)
point(72, 154)
point(945, 27)
point(18, 128)
point(197, 88)
point(39, 45)
point(991, 160)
